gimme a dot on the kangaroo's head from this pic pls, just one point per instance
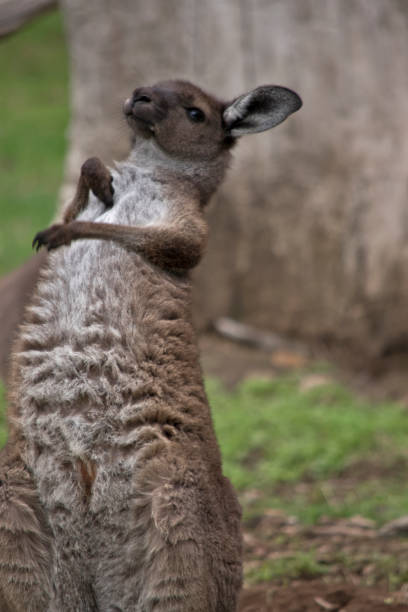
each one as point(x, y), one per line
point(186, 126)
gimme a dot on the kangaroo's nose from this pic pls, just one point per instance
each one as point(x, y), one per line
point(137, 97)
point(141, 98)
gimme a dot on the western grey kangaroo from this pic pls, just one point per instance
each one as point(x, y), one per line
point(112, 496)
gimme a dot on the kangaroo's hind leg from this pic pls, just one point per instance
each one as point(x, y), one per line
point(25, 541)
point(176, 573)
point(187, 554)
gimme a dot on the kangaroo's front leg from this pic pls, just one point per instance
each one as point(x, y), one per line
point(178, 245)
point(95, 177)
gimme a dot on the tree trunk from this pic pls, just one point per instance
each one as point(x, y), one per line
point(310, 232)
point(13, 15)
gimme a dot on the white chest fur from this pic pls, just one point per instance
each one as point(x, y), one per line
point(138, 200)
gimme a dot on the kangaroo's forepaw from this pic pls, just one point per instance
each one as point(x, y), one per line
point(99, 180)
point(104, 191)
point(53, 237)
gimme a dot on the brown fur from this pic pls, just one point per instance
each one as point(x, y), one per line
point(15, 292)
point(24, 536)
point(114, 495)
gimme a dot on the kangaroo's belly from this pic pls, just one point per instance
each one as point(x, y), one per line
point(107, 343)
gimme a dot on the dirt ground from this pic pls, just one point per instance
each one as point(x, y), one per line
point(317, 596)
point(359, 568)
point(354, 559)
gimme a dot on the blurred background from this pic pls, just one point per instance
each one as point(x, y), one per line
point(308, 249)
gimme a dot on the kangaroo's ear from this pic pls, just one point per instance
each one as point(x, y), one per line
point(260, 109)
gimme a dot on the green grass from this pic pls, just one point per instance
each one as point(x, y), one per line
point(34, 111)
point(389, 568)
point(286, 568)
point(273, 435)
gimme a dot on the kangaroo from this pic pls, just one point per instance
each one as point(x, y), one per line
point(112, 496)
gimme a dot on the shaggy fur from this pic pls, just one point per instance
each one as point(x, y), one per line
point(112, 496)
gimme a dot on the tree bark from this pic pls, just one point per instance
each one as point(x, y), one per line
point(14, 14)
point(309, 234)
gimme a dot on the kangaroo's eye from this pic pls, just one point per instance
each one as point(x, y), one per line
point(195, 114)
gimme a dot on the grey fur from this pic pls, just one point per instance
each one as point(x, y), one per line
point(124, 506)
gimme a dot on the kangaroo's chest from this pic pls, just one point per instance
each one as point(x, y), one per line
point(139, 200)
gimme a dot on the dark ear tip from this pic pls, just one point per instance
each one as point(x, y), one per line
point(298, 102)
point(293, 99)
